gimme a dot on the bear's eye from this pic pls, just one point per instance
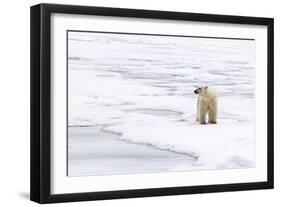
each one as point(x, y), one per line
point(199, 89)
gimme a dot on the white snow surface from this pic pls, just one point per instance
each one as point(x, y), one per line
point(140, 87)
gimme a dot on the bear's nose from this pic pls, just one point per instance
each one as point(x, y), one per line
point(195, 91)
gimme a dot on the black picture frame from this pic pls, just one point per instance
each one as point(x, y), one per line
point(40, 184)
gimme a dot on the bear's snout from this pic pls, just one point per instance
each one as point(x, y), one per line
point(196, 91)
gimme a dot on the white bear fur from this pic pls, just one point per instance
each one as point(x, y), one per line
point(207, 103)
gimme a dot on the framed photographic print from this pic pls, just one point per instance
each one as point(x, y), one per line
point(133, 103)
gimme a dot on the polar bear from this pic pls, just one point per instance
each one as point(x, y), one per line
point(207, 103)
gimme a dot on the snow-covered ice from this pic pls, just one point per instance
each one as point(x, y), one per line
point(139, 89)
point(102, 153)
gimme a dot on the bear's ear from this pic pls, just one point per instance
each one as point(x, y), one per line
point(206, 87)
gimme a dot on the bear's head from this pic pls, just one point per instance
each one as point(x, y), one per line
point(201, 90)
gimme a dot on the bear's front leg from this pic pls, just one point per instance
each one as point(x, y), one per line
point(202, 113)
point(197, 112)
point(202, 119)
point(213, 112)
point(212, 118)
